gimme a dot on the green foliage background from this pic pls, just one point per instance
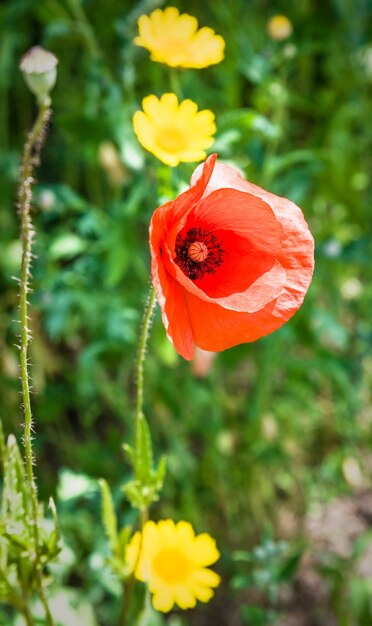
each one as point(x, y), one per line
point(271, 430)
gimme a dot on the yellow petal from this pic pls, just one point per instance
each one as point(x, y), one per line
point(163, 600)
point(188, 108)
point(184, 597)
point(204, 550)
point(166, 530)
point(185, 27)
point(152, 107)
point(204, 594)
point(144, 129)
point(205, 577)
point(169, 102)
point(184, 533)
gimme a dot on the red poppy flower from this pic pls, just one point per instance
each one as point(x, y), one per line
point(230, 262)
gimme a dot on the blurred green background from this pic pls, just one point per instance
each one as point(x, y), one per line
point(271, 451)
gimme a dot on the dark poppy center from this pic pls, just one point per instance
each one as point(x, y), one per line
point(198, 252)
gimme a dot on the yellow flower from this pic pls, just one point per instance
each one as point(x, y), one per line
point(279, 27)
point(173, 562)
point(175, 40)
point(174, 131)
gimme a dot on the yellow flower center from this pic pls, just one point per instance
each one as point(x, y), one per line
point(197, 251)
point(172, 566)
point(171, 140)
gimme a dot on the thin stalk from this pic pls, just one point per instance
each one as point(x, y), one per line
point(279, 119)
point(129, 583)
point(175, 82)
point(85, 28)
point(25, 608)
point(144, 335)
point(24, 605)
point(29, 160)
point(141, 356)
point(32, 144)
point(27, 615)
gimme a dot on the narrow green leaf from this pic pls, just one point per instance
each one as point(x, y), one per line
point(124, 536)
point(144, 456)
point(16, 541)
point(109, 518)
point(133, 492)
point(160, 472)
point(15, 497)
point(53, 541)
point(18, 477)
point(129, 451)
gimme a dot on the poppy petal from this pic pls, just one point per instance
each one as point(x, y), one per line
point(215, 328)
point(244, 214)
point(171, 298)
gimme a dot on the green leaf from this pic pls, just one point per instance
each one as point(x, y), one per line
point(129, 451)
point(145, 487)
point(109, 516)
point(16, 500)
point(2, 446)
point(144, 455)
point(53, 540)
point(159, 474)
point(124, 536)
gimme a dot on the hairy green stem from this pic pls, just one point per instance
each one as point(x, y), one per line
point(29, 160)
point(145, 329)
point(141, 356)
point(33, 142)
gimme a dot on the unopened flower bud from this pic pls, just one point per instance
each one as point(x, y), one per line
point(39, 67)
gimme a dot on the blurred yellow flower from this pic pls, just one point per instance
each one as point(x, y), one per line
point(279, 27)
point(174, 131)
point(173, 562)
point(175, 40)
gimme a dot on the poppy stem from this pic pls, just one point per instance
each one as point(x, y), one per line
point(144, 335)
point(142, 353)
point(29, 160)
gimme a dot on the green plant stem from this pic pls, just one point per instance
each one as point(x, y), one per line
point(141, 357)
point(25, 609)
point(27, 615)
point(85, 28)
point(279, 118)
point(129, 583)
point(175, 82)
point(29, 160)
point(145, 329)
point(34, 139)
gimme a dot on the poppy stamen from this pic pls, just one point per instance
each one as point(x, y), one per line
point(198, 252)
